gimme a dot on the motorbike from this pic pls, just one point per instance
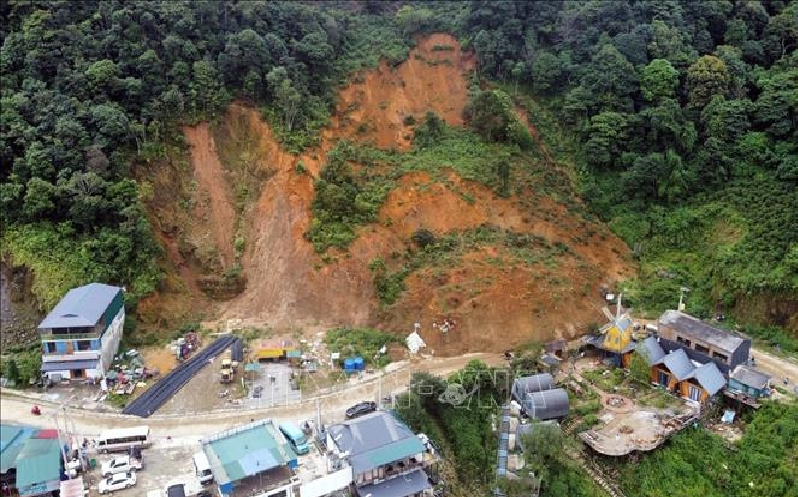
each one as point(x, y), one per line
point(35, 410)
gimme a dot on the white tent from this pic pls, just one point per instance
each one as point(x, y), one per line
point(415, 343)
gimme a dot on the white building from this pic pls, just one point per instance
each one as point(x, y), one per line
point(80, 336)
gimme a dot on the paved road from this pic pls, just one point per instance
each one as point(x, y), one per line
point(178, 430)
point(156, 396)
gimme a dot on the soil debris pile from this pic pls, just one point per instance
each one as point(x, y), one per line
point(502, 270)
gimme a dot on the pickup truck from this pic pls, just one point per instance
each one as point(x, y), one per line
point(121, 464)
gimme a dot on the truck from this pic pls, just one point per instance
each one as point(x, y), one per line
point(121, 464)
point(296, 438)
point(226, 375)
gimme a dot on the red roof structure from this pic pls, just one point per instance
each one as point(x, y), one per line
point(46, 434)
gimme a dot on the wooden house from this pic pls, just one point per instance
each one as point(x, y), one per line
point(676, 373)
point(701, 342)
point(671, 370)
point(703, 383)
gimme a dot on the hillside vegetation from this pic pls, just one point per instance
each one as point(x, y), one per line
point(686, 119)
point(676, 122)
point(90, 88)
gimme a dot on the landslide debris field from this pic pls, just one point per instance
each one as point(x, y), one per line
point(235, 215)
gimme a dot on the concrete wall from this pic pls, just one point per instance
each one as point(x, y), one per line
point(110, 340)
point(326, 484)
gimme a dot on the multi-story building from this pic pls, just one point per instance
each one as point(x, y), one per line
point(386, 457)
point(701, 342)
point(82, 333)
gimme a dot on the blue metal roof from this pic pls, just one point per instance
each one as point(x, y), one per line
point(409, 484)
point(375, 439)
point(82, 306)
point(709, 377)
point(677, 363)
point(12, 441)
point(652, 347)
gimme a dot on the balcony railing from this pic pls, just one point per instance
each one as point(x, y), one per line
point(47, 336)
point(78, 355)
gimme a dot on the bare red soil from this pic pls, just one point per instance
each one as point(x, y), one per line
point(495, 299)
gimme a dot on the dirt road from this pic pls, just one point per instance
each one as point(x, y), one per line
point(176, 430)
point(778, 367)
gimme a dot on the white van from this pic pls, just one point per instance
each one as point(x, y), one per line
point(203, 468)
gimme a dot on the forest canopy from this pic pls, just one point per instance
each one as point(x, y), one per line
point(684, 115)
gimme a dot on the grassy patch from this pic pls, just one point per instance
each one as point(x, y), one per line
point(357, 178)
point(61, 259)
point(606, 379)
point(362, 342)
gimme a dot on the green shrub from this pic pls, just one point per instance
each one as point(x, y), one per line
point(423, 237)
point(588, 408)
point(363, 342)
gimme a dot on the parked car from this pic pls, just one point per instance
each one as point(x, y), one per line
point(116, 482)
point(121, 464)
point(361, 409)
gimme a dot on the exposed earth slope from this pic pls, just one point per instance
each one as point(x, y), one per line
point(524, 267)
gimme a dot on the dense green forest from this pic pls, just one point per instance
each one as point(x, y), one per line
point(90, 88)
point(686, 118)
point(680, 117)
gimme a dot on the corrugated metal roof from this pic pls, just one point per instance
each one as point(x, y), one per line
point(12, 441)
point(677, 363)
point(653, 350)
point(531, 384)
point(38, 462)
point(709, 377)
point(82, 306)
point(375, 439)
point(237, 351)
point(694, 328)
point(246, 451)
point(399, 486)
point(751, 377)
point(548, 404)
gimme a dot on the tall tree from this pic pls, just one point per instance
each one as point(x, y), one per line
point(659, 80)
point(708, 77)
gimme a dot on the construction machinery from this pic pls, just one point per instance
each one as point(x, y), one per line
point(226, 375)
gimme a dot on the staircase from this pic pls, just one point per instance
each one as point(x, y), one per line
point(596, 473)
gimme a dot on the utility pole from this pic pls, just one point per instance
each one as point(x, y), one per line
point(61, 445)
point(682, 291)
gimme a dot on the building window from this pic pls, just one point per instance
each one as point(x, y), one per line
point(84, 345)
point(50, 347)
point(702, 349)
point(721, 357)
point(694, 393)
point(683, 341)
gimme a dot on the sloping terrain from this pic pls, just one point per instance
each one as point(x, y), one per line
point(508, 269)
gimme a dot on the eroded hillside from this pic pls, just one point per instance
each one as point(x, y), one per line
point(504, 270)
